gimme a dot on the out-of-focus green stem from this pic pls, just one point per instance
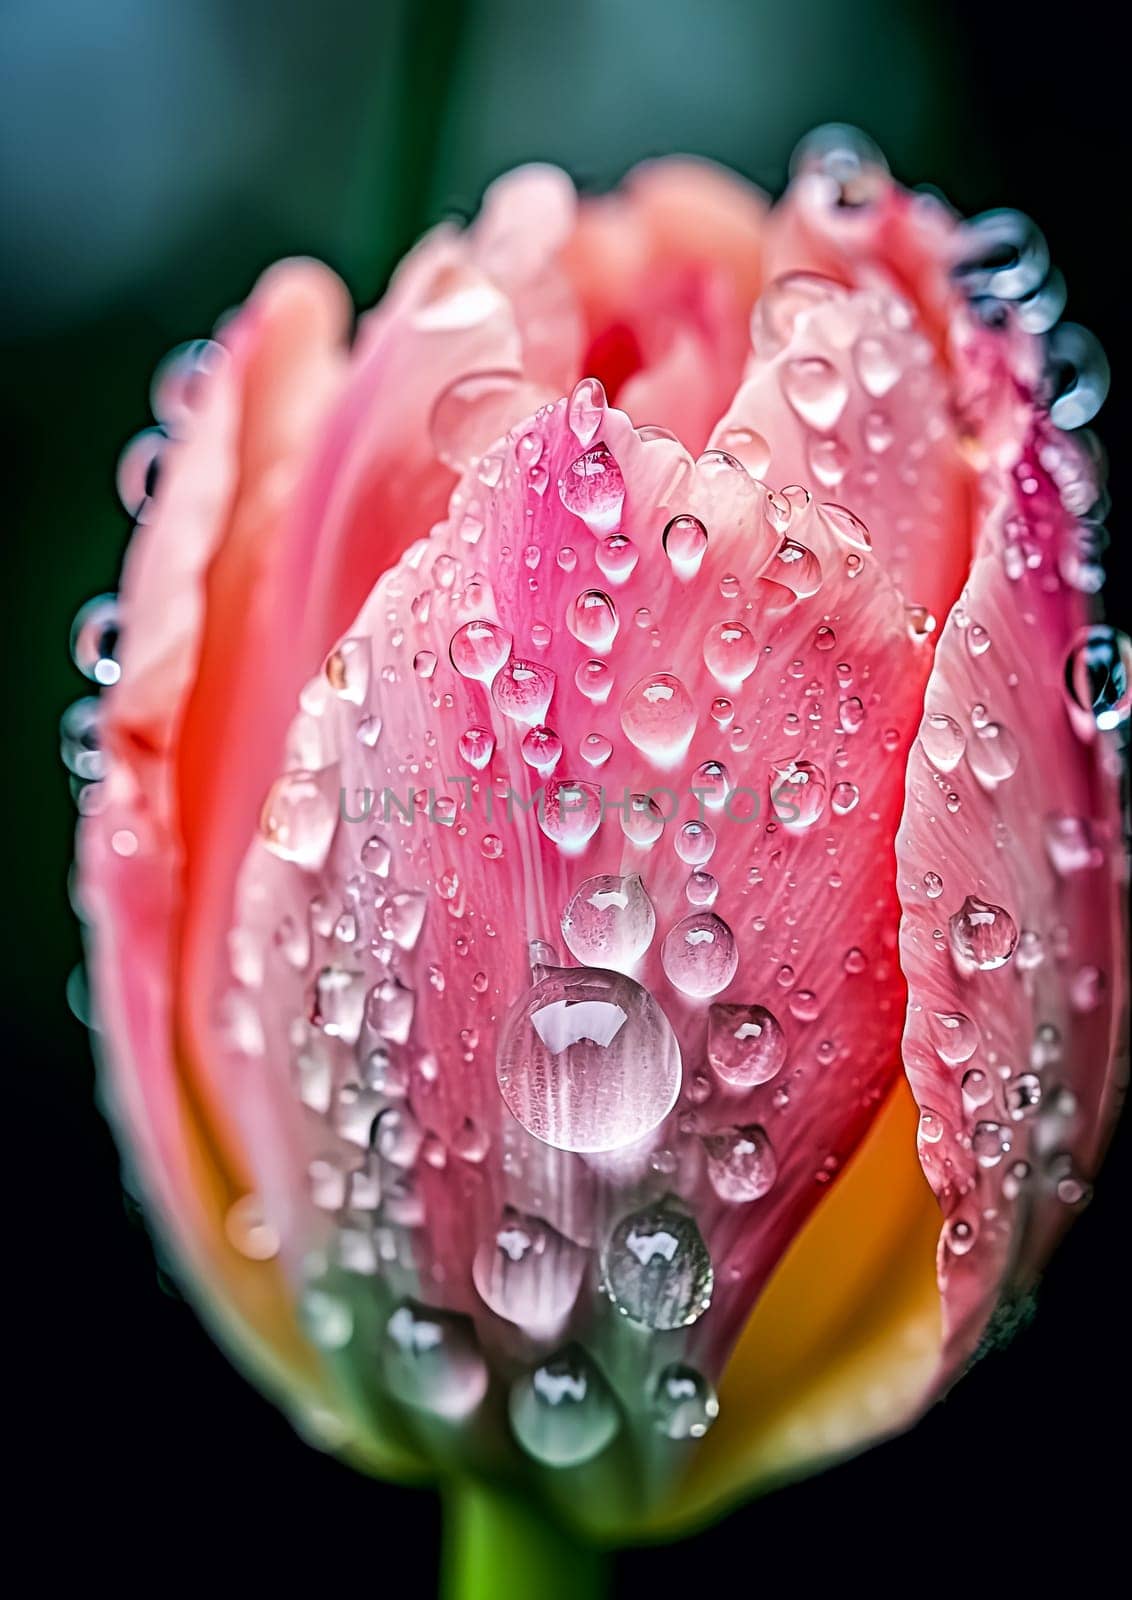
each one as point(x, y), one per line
point(499, 1546)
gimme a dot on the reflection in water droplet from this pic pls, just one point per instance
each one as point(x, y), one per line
point(685, 544)
point(1098, 675)
point(730, 653)
point(587, 1061)
point(478, 649)
point(656, 1268)
point(592, 619)
point(523, 690)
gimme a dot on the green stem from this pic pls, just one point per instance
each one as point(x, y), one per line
point(499, 1546)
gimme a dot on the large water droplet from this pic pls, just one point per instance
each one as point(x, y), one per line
point(659, 717)
point(993, 754)
point(642, 821)
point(563, 1413)
point(656, 1268)
point(746, 1044)
point(594, 489)
point(570, 812)
point(699, 954)
point(684, 1405)
point(587, 408)
point(609, 922)
point(432, 1361)
point(588, 1061)
point(983, 936)
point(741, 1163)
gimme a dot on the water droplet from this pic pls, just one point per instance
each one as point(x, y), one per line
point(389, 1010)
point(478, 649)
point(845, 526)
point(587, 408)
point(138, 468)
point(933, 885)
point(569, 812)
point(594, 489)
point(954, 1036)
point(249, 1231)
point(815, 391)
point(642, 820)
point(477, 746)
point(711, 784)
point(339, 1003)
point(990, 1141)
point(609, 922)
point(592, 619)
point(943, 740)
point(94, 640)
point(699, 954)
point(741, 1163)
point(656, 1268)
point(1098, 675)
point(617, 558)
point(80, 741)
point(297, 821)
point(746, 1044)
point(1071, 845)
point(993, 754)
point(658, 716)
point(596, 749)
point(563, 1413)
point(432, 1361)
point(877, 364)
point(528, 1273)
point(983, 936)
point(797, 793)
point(541, 748)
point(844, 798)
point(747, 447)
point(684, 1405)
point(799, 570)
point(594, 679)
point(730, 653)
point(685, 543)
point(588, 1061)
point(522, 690)
point(326, 1318)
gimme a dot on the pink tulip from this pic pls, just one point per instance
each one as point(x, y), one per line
point(602, 756)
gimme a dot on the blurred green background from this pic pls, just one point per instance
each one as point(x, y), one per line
point(153, 158)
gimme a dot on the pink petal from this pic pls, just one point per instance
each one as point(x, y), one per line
point(1010, 851)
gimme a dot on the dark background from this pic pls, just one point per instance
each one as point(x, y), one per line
point(153, 157)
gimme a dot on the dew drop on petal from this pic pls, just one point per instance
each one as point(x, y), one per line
point(522, 690)
point(685, 544)
point(527, 1272)
point(656, 1268)
point(730, 653)
point(983, 936)
point(943, 740)
point(476, 746)
point(586, 409)
point(684, 1404)
point(658, 716)
point(592, 619)
point(569, 812)
point(1098, 676)
point(746, 1044)
point(741, 1163)
point(432, 1361)
point(815, 391)
point(699, 954)
point(797, 793)
point(993, 754)
point(478, 649)
point(594, 489)
point(94, 640)
point(609, 922)
point(642, 820)
point(297, 820)
point(563, 1413)
point(588, 1061)
point(954, 1036)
